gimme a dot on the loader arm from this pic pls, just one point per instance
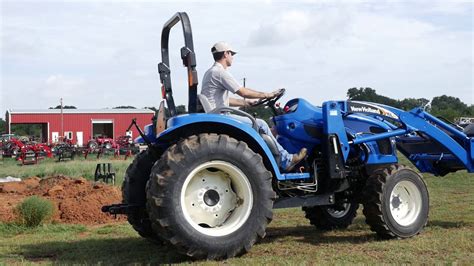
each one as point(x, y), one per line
point(431, 144)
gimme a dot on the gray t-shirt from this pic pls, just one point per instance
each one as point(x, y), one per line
point(216, 84)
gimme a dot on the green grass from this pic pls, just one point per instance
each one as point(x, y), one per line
point(447, 239)
point(79, 167)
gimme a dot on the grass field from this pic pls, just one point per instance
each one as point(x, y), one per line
point(79, 167)
point(447, 239)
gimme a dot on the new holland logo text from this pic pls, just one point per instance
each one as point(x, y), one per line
point(372, 109)
point(365, 109)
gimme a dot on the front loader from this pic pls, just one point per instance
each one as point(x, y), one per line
point(208, 183)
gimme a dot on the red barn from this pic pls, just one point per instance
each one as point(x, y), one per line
point(80, 125)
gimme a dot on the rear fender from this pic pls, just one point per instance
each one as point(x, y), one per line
point(193, 124)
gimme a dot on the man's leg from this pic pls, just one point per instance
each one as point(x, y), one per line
point(285, 157)
point(287, 160)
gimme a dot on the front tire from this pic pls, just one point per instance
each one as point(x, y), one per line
point(396, 202)
point(329, 217)
point(210, 196)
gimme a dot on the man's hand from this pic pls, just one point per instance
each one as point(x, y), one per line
point(272, 94)
point(250, 102)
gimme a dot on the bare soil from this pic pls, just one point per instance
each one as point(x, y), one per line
point(77, 200)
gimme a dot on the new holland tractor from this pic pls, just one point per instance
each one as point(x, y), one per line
point(208, 183)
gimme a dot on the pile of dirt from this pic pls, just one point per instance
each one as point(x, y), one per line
point(77, 201)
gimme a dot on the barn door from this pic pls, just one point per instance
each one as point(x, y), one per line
point(79, 138)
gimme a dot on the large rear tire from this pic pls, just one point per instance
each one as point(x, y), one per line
point(396, 202)
point(210, 196)
point(133, 192)
point(329, 217)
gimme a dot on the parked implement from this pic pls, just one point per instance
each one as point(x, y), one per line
point(100, 142)
point(208, 183)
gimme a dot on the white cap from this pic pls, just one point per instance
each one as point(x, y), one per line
point(222, 47)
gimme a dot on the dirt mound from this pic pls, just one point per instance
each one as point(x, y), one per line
point(77, 201)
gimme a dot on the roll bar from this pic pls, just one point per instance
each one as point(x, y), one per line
point(189, 61)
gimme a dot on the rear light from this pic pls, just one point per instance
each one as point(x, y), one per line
point(163, 92)
point(190, 78)
point(160, 119)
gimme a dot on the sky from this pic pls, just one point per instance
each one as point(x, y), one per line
point(102, 54)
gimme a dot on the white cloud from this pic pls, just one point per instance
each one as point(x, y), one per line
point(459, 7)
point(398, 56)
point(316, 49)
point(60, 86)
point(325, 24)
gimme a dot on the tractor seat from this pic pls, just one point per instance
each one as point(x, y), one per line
point(469, 130)
point(205, 103)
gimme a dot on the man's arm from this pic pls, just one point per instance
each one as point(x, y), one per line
point(240, 102)
point(253, 94)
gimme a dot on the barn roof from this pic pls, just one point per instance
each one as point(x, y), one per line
point(81, 111)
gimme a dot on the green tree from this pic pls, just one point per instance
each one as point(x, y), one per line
point(3, 126)
point(181, 109)
point(410, 103)
point(154, 109)
point(449, 107)
point(30, 130)
point(125, 107)
point(370, 95)
point(64, 107)
point(443, 106)
point(471, 110)
point(261, 111)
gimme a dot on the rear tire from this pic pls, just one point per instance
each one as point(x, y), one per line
point(328, 218)
point(133, 192)
point(210, 196)
point(396, 202)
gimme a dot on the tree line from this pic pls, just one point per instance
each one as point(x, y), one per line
point(444, 106)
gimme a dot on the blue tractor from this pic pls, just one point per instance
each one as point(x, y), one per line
point(208, 183)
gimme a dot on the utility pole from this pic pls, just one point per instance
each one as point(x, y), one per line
point(62, 120)
point(244, 82)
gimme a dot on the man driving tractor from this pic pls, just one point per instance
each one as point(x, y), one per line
point(218, 82)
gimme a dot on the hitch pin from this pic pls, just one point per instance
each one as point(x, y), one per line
point(301, 169)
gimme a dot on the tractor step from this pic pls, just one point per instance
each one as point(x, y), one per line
point(293, 176)
point(304, 201)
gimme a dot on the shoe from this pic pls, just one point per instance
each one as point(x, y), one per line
point(297, 158)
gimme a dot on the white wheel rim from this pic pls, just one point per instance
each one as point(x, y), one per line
point(405, 203)
point(339, 213)
point(216, 198)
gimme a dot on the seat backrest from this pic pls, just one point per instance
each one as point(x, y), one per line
point(205, 103)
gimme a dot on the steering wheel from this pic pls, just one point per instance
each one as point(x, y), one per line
point(270, 101)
